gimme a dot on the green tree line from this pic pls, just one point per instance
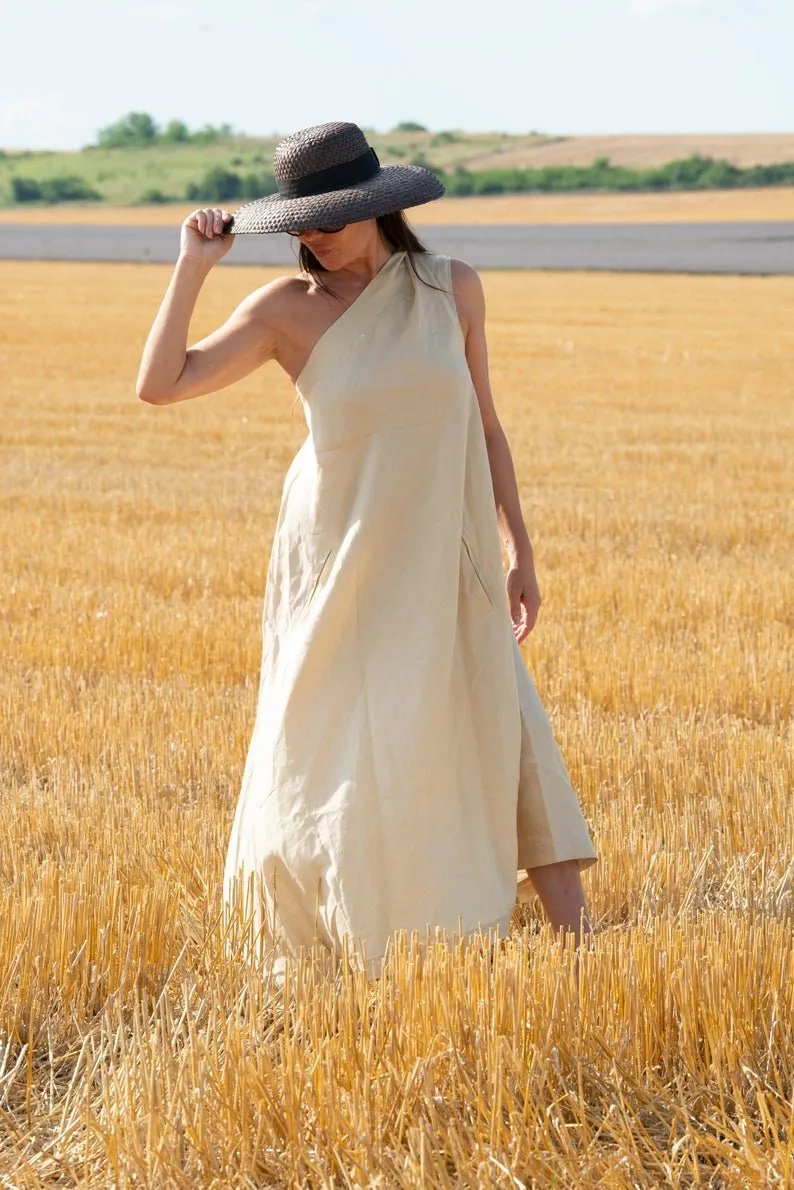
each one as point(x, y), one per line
point(137, 130)
point(227, 185)
point(68, 188)
point(691, 173)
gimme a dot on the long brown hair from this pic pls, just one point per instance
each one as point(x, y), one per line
point(397, 232)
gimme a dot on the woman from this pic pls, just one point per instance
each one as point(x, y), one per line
point(402, 768)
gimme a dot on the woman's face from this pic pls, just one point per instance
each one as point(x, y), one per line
point(336, 249)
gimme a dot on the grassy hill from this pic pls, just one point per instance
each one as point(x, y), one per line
point(125, 176)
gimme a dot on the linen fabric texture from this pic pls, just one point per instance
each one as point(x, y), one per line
point(402, 772)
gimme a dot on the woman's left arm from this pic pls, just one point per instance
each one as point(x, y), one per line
point(521, 582)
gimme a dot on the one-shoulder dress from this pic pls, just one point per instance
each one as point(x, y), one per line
point(402, 773)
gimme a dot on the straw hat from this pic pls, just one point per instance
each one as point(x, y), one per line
point(328, 174)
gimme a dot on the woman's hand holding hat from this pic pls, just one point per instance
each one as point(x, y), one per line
point(203, 237)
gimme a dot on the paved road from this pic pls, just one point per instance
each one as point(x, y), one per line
point(756, 248)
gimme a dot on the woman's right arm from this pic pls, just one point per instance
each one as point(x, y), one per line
point(169, 370)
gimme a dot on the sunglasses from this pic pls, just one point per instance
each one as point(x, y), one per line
point(326, 231)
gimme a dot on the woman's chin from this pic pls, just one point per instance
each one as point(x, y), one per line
point(325, 258)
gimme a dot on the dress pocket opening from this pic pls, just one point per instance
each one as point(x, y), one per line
point(476, 568)
point(318, 576)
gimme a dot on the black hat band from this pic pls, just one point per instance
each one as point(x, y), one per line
point(336, 177)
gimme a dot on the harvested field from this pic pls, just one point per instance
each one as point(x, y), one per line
point(717, 206)
point(640, 151)
point(651, 425)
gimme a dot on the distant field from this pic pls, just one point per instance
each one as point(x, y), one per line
point(123, 176)
point(650, 420)
point(639, 152)
point(772, 204)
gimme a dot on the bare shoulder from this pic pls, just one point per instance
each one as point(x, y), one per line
point(275, 309)
point(464, 274)
point(468, 290)
point(272, 300)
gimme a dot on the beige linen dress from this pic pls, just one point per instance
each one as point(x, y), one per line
point(402, 768)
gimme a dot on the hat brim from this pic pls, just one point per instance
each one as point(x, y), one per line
point(392, 188)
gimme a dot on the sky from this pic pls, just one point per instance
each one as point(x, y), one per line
point(566, 67)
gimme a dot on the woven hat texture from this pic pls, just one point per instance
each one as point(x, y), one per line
point(341, 149)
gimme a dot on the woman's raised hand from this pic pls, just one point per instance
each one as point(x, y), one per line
point(202, 236)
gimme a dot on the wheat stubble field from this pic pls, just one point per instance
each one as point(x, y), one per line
point(650, 421)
